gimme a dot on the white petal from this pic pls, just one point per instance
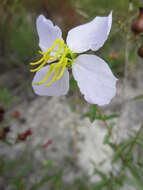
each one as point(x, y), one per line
point(58, 88)
point(95, 79)
point(91, 35)
point(47, 32)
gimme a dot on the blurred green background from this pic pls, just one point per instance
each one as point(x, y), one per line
point(19, 46)
point(19, 39)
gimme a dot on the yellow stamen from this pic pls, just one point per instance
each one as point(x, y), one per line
point(63, 63)
point(46, 55)
point(63, 54)
point(58, 66)
point(63, 69)
point(61, 45)
point(55, 75)
point(41, 52)
point(46, 76)
point(42, 65)
point(37, 62)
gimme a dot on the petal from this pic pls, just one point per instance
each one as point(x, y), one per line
point(95, 79)
point(58, 88)
point(91, 35)
point(47, 32)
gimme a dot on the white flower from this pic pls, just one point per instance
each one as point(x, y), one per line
point(93, 75)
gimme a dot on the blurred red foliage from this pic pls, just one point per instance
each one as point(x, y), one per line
point(62, 13)
point(23, 136)
point(137, 25)
point(2, 112)
point(3, 132)
point(46, 145)
point(16, 114)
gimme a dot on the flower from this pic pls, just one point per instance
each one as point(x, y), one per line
point(93, 75)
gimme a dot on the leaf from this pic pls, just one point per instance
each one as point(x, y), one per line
point(101, 174)
point(100, 185)
point(133, 183)
point(56, 179)
point(140, 143)
point(112, 116)
point(120, 149)
point(44, 180)
point(137, 179)
point(107, 117)
point(108, 135)
point(18, 180)
point(134, 171)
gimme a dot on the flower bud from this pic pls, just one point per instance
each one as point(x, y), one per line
point(2, 112)
point(140, 51)
point(6, 129)
point(137, 25)
point(2, 134)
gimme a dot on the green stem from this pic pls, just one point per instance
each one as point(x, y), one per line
point(104, 121)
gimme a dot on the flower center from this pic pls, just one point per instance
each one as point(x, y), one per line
point(58, 56)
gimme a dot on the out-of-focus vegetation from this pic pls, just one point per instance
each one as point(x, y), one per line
point(19, 45)
point(18, 37)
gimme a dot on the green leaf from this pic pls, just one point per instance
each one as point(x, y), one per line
point(137, 177)
point(121, 149)
point(134, 183)
point(107, 117)
point(39, 184)
point(58, 179)
point(112, 116)
point(108, 135)
point(140, 143)
point(23, 172)
point(101, 174)
point(100, 185)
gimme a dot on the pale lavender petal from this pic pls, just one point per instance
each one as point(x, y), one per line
point(95, 79)
point(58, 88)
point(47, 32)
point(91, 35)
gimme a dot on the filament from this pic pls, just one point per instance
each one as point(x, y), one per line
point(46, 77)
point(55, 75)
point(58, 68)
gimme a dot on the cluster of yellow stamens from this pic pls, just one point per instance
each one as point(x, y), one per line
point(62, 56)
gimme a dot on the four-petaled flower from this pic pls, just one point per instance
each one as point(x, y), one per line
point(93, 75)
